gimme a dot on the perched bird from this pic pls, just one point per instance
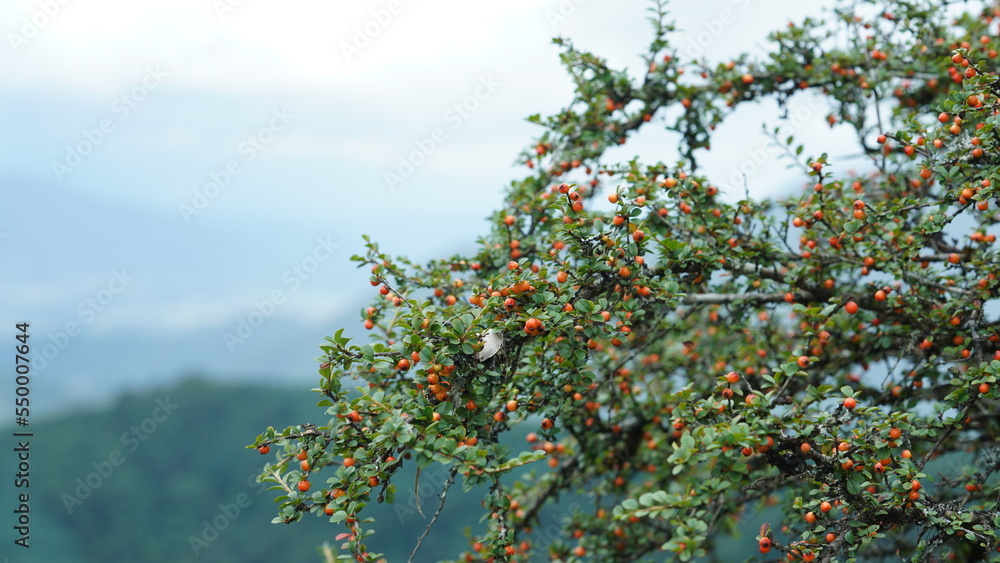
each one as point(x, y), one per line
point(492, 343)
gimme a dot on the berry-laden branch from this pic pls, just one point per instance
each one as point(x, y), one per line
point(686, 352)
point(719, 298)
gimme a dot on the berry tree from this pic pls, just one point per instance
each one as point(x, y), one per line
point(682, 356)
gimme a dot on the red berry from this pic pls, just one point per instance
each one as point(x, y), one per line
point(765, 545)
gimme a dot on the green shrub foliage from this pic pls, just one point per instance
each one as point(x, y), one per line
point(685, 356)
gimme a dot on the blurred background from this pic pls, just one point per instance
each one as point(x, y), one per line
point(202, 149)
point(183, 184)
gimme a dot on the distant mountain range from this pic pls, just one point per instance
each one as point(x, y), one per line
point(123, 296)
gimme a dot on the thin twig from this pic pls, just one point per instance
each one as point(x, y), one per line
point(944, 435)
point(444, 494)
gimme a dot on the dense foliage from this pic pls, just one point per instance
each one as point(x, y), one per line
point(682, 357)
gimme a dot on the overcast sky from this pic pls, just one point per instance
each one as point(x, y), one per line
point(207, 148)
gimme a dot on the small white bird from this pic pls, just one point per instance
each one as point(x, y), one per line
point(492, 343)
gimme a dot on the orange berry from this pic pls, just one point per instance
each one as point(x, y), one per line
point(764, 544)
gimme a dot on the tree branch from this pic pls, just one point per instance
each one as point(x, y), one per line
point(718, 298)
point(443, 495)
